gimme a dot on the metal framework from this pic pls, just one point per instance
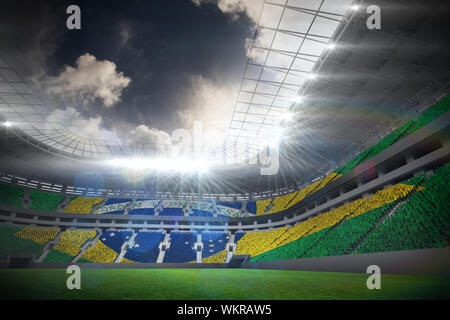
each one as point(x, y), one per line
point(291, 40)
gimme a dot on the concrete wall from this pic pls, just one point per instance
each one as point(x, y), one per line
point(426, 261)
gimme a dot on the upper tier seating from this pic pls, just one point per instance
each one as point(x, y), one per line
point(24, 240)
point(201, 213)
point(251, 207)
point(114, 206)
point(145, 248)
point(261, 206)
point(181, 247)
point(143, 207)
point(281, 202)
point(173, 208)
point(108, 247)
point(82, 205)
point(11, 195)
point(45, 201)
point(232, 204)
point(69, 245)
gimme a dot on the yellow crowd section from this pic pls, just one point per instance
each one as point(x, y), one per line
point(100, 253)
point(313, 187)
point(82, 205)
point(219, 257)
point(346, 211)
point(261, 206)
point(72, 240)
point(254, 243)
point(280, 203)
point(125, 260)
point(38, 235)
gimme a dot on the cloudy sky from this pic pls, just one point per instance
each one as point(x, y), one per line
point(136, 69)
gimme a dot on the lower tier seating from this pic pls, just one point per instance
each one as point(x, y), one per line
point(107, 248)
point(422, 222)
point(145, 248)
point(24, 240)
point(213, 243)
point(70, 245)
point(181, 247)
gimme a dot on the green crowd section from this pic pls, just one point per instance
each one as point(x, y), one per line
point(426, 117)
point(422, 220)
point(54, 256)
point(10, 195)
point(10, 243)
point(45, 201)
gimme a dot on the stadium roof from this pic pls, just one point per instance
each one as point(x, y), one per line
point(291, 41)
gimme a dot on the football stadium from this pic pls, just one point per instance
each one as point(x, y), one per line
point(225, 150)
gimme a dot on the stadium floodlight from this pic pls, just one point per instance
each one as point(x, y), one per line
point(7, 124)
point(287, 116)
point(298, 99)
point(355, 7)
point(311, 76)
point(331, 46)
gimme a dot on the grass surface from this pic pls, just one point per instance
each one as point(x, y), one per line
point(196, 284)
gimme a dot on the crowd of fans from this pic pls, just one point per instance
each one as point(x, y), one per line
point(82, 205)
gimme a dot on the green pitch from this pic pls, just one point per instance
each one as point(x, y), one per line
point(186, 284)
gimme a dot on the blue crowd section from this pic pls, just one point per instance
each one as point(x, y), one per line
point(145, 247)
point(172, 212)
point(223, 216)
point(143, 212)
point(115, 239)
point(201, 213)
point(116, 200)
point(232, 204)
point(213, 242)
point(251, 207)
point(181, 247)
point(238, 236)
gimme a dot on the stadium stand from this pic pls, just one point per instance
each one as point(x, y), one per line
point(114, 206)
point(45, 201)
point(173, 208)
point(70, 245)
point(82, 205)
point(279, 203)
point(213, 243)
point(261, 206)
point(422, 222)
point(24, 240)
point(201, 213)
point(11, 195)
point(255, 243)
point(143, 207)
point(145, 248)
point(334, 232)
point(232, 204)
point(107, 248)
point(181, 247)
point(251, 207)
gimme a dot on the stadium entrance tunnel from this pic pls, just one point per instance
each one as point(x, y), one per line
point(21, 261)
